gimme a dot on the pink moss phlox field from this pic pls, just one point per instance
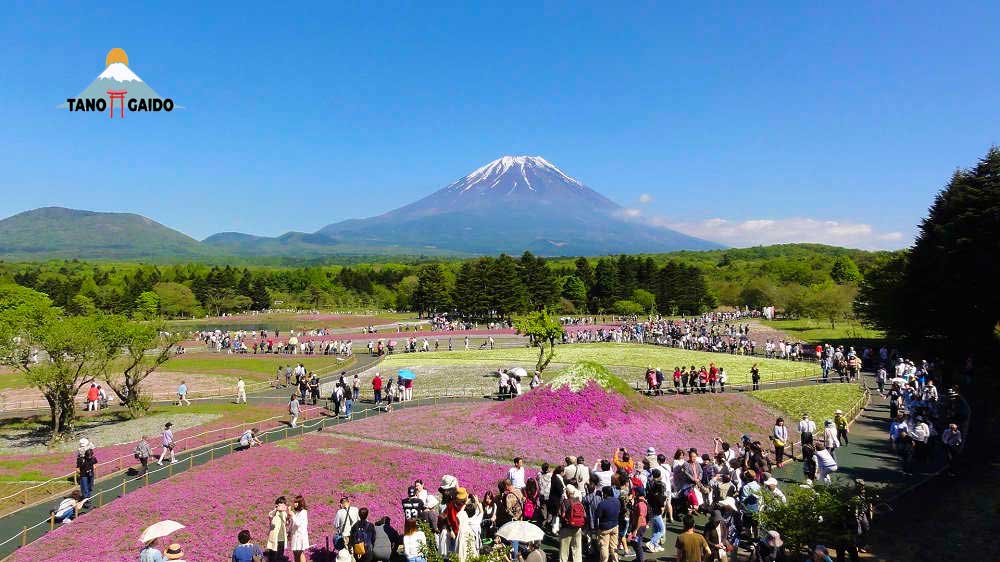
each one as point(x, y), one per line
point(235, 492)
point(546, 425)
point(591, 405)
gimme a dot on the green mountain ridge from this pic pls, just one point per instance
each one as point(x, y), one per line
point(57, 232)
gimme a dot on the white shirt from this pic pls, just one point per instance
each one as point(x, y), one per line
point(807, 426)
point(412, 544)
point(516, 476)
point(345, 519)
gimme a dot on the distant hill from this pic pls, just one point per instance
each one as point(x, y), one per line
point(511, 204)
point(56, 232)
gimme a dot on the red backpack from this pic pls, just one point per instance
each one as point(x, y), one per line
point(575, 516)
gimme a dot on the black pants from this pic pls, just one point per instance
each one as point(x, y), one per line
point(277, 555)
point(842, 436)
point(144, 461)
point(779, 453)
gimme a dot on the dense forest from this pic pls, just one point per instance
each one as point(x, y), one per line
point(797, 278)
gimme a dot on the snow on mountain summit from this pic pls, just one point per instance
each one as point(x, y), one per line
point(120, 73)
point(511, 173)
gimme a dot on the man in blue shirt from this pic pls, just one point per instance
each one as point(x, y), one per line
point(607, 514)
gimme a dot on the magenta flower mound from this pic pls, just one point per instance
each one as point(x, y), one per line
point(539, 427)
point(217, 500)
point(590, 406)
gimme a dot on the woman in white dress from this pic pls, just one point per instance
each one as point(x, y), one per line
point(298, 530)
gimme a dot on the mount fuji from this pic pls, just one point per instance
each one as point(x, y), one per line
point(117, 76)
point(512, 204)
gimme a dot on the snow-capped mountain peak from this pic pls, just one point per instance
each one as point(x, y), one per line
point(119, 73)
point(511, 172)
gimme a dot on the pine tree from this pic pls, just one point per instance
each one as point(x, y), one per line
point(432, 295)
point(506, 288)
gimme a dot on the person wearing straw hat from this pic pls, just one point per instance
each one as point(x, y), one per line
point(174, 552)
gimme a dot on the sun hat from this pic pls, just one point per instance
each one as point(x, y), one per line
point(728, 502)
point(650, 451)
point(770, 482)
point(448, 482)
point(572, 491)
point(174, 552)
point(461, 494)
point(774, 539)
point(84, 442)
point(841, 412)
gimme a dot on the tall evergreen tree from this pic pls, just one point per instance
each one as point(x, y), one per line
point(432, 295)
point(584, 272)
point(602, 296)
point(540, 284)
point(946, 300)
point(506, 287)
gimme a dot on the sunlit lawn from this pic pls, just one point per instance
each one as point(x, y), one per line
point(817, 332)
point(633, 357)
point(250, 367)
point(818, 400)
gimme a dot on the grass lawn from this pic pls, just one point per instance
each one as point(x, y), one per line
point(817, 332)
point(12, 380)
point(250, 367)
point(626, 360)
point(819, 400)
point(288, 321)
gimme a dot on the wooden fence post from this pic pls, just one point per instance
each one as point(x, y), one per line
point(145, 480)
point(24, 536)
point(191, 461)
point(170, 470)
point(52, 521)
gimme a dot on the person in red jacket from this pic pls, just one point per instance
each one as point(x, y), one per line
point(377, 387)
point(93, 395)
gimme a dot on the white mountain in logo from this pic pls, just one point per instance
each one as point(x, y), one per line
point(119, 73)
point(117, 77)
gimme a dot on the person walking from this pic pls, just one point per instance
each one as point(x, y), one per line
point(841, 422)
point(85, 467)
point(607, 514)
point(293, 410)
point(298, 529)
point(755, 376)
point(691, 546)
point(241, 391)
point(167, 442)
point(142, 453)
point(182, 392)
point(573, 516)
point(779, 438)
point(377, 388)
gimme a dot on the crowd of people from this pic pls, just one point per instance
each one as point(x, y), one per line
point(617, 507)
point(263, 342)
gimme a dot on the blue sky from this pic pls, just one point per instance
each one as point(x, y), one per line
point(725, 116)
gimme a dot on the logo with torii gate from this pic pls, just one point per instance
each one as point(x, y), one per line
point(118, 85)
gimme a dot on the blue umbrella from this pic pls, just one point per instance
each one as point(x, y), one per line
point(407, 374)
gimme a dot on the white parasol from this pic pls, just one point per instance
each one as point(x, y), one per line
point(157, 530)
point(521, 531)
point(519, 372)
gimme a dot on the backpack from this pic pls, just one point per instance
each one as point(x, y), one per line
point(574, 514)
point(513, 506)
point(529, 508)
point(363, 539)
